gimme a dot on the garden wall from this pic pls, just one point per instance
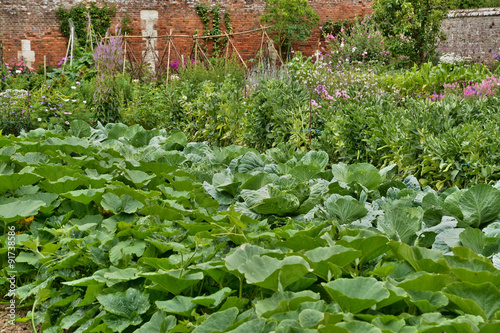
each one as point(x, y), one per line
point(472, 33)
point(29, 28)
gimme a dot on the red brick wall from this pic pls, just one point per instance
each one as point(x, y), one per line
point(35, 20)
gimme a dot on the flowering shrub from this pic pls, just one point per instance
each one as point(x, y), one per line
point(13, 112)
point(14, 74)
point(44, 107)
point(333, 83)
point(361, 43)
point(451, 58)
point(334, 28)
point(411, 27)
point(16, 67)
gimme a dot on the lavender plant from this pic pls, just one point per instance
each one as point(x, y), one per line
point(108, 58)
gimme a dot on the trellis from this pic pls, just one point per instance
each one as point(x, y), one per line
point(197, 53)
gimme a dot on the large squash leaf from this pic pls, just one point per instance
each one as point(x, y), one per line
point(356, 294)
point(480, 205)
point(345, 208)
point(477, 299)
point(273, 273)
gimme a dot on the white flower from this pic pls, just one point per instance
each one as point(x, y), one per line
point(354, 49)
point(39, 119)
point(18, 71)
point(66, 100)
point(84, 102)
point(74, 100)
point(73, 87)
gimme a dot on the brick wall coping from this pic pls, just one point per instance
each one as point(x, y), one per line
point(474, 12)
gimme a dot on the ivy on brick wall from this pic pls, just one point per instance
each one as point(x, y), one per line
point(127, 25)
point(213, 15)
point(100, 19)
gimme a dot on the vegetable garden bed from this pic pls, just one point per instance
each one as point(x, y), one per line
point(121, 229)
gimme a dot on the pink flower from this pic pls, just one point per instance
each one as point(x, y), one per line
point(313, 102)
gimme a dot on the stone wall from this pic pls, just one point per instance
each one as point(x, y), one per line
point(29, 28)
point(473, 33)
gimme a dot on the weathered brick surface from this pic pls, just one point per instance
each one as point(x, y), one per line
point(473, 33)
point(35, 20)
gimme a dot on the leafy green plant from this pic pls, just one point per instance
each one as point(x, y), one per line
point(411, 28)
point(216, 72)
point(126, 24)
point(270, 116)
point(82, 68)
point(428, 78)
point(291, 20)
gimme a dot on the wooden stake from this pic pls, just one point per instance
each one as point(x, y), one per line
point(261, 55)
point(234, 47)
point(72, 45)
point(204, 54)
point(169, 41)
point(67, 51)
point(282, 62)
point(44, 68)
point(124, 55)
point(195, 50)
point(310, 119)
point(227, 50)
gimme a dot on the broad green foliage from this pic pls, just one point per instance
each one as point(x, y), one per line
point(428, 78)
point(442, 143)
point(122, 229)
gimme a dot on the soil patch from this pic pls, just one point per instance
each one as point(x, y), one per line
point(7, 327)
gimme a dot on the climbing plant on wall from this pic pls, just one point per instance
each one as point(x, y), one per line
point(213, 15)
point(100, 18)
